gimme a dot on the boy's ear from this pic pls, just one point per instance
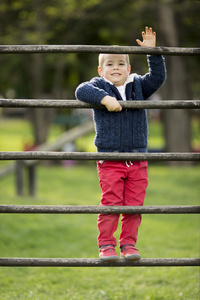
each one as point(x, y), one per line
point(100, 71)
point(129, 69)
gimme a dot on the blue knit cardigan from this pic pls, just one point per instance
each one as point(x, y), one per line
point(125, 131)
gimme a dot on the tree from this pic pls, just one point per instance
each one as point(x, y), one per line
point(177, 122)
point(94, 22)
point(34, 22)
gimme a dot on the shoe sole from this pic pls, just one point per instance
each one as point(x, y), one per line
point(131, 257)
point(110, 258)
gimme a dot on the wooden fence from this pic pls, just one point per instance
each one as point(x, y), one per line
point(43, 155)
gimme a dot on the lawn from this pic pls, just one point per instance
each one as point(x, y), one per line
point(68, 236)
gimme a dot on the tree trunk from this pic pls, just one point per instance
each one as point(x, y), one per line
point(41, 118)
point(177, 123)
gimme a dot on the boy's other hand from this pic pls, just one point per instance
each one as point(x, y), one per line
point(149, 38)
point(111, 103)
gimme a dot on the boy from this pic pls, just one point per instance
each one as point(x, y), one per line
point(118, 130)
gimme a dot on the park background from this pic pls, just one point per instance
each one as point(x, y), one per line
point(56, 76)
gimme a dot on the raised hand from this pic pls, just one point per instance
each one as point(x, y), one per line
point(149, 38)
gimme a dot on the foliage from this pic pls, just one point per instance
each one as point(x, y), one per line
point(80, 22)
point(85, 22)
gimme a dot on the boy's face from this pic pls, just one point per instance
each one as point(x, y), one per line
point(115, 68)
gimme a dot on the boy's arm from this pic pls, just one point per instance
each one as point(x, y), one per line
point(92, 93)
point(153, 80)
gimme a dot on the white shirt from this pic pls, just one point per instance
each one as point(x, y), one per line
point(121, 90)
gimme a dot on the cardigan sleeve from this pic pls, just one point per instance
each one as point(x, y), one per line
point(91, 91)
point(153, 80)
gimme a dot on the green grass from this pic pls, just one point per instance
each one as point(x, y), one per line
point(15, 133)
point(71, 236)
point(68, 236)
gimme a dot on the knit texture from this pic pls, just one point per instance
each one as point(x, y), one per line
point(125, 131)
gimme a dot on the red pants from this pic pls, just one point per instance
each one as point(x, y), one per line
point(122, 183)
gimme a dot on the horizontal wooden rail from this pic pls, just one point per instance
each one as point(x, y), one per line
point(92, 262)
point(49, 103)
point(43, 155)
point(91, 209)
point(12, 49)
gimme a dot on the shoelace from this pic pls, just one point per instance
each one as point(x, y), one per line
point(106, 246)
point(127, 246)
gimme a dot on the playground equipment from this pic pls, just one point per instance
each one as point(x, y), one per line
point(31, 156)
point(18, 167)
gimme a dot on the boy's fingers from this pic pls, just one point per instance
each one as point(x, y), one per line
point(149, 30)
point(119, 108)
point(139, 42)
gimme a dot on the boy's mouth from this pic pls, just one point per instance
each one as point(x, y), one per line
point(115, 74)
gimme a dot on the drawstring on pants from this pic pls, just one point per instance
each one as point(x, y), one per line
point(128, 162)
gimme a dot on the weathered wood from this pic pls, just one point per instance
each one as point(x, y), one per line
point(49, 103)
point(19, 178)
point(19, 49)
point(31, 180)
point(67, 137)
point(43, 155)
point(70, 136)
point(92, 262)
point(88, 209)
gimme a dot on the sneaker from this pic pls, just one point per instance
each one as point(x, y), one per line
point(129, 252)
point(108, 253)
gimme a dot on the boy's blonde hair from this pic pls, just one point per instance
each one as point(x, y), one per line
point(102, 57)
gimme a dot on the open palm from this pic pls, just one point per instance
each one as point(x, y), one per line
point(149, 38)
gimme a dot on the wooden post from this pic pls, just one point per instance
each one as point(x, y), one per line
point(31, 179)
point(19, 177)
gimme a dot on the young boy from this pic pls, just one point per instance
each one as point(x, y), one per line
point(122, 130)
